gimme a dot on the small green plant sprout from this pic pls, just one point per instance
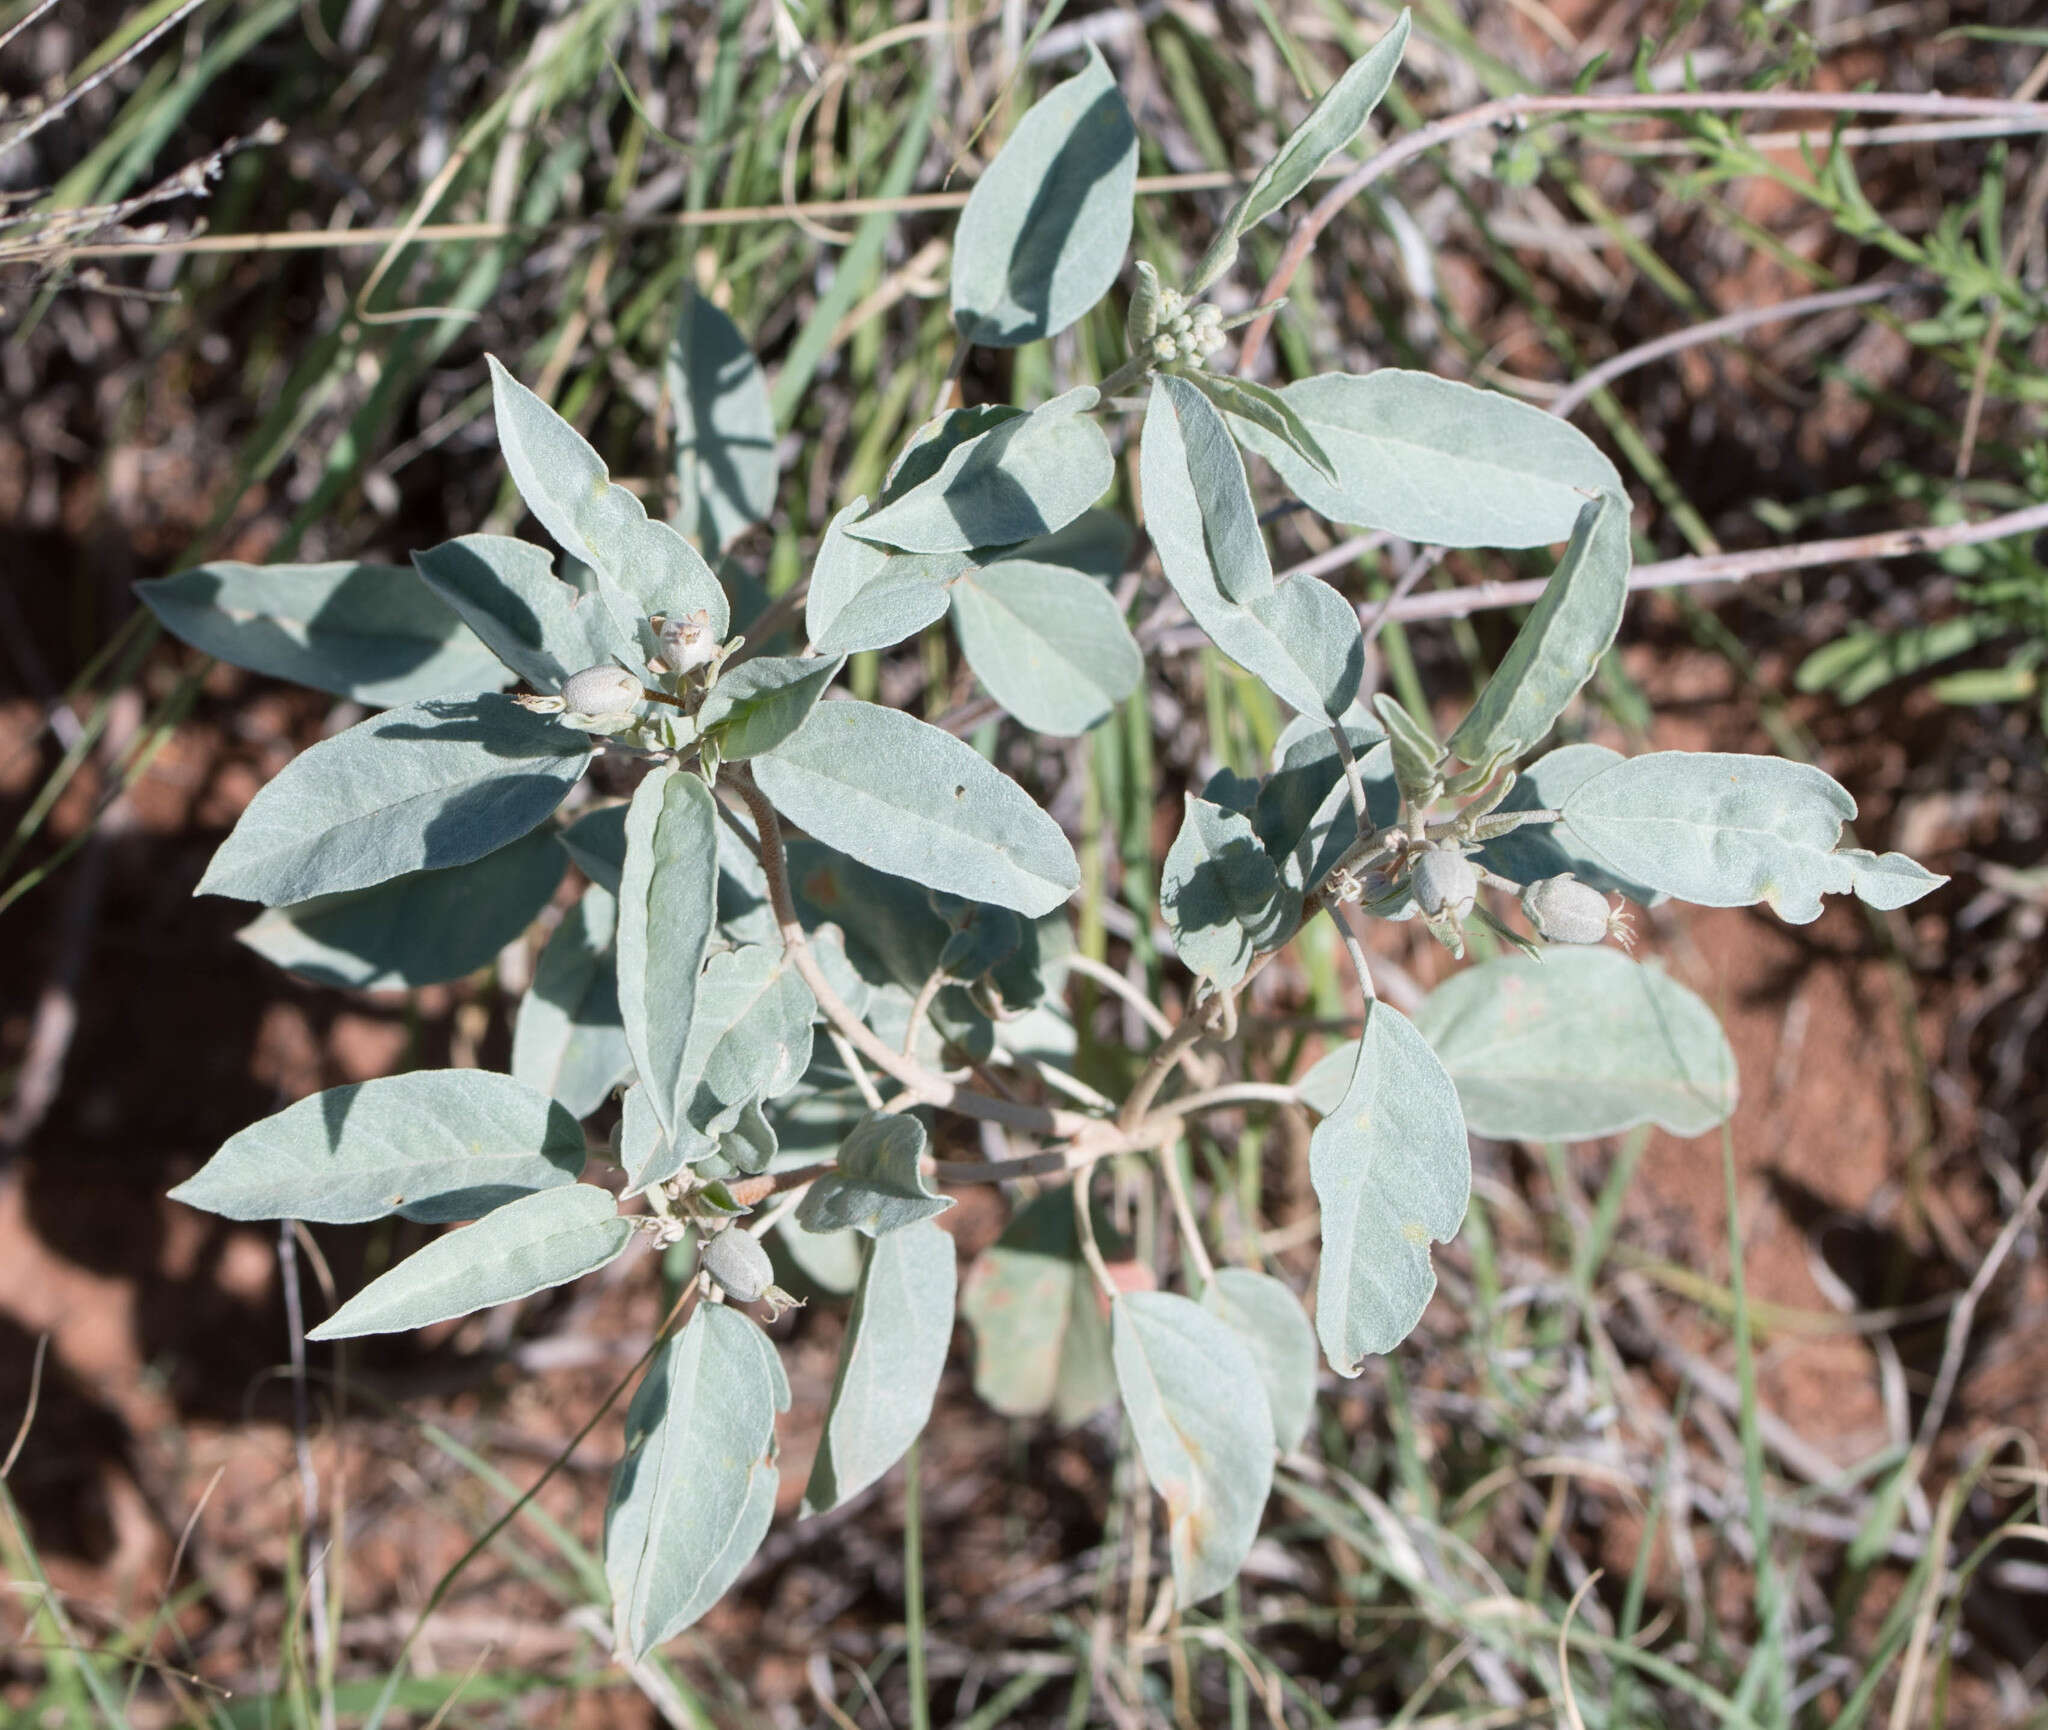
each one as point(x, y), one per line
point(817, 936)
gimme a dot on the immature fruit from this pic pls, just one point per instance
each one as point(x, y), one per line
point(1564, 910)
point(1445, 883)
point(738, 1262)
point(601, 691)
point(689, 643)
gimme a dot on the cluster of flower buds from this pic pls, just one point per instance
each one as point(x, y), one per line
point(1564, 910)
point(1185, 333)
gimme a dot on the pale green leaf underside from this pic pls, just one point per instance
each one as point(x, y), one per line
point(724, 439)
point(1050, 644)
point(1560, 643)
point(878, 1187)
point(420, 929)
point(1438, 463)
point(1041, 1340)
point(1725, 830)
point(1582, 1043)
point(568, 1041)
point(1392, 1172)
point(1550, 849)
point(908, 799)
point(435, 1145)
point(668, 908)
point(434, 784)
point(1330, 126)
point(866, 597)
point(541, 1240)
point(1046, 228)
point(365, 631)
point(1026, 476)
point(1269, 1318)
point(693, 1497)
point(1197, 1408)
point(541, 627)
point(889, 1363)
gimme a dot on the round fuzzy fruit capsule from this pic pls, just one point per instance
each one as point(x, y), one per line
point(1445, 882)
point(689, 643)
point(1564, 910)
point(601, 691)
point(738, 1262)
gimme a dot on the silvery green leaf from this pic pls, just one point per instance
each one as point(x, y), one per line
point(982, 938)
point(724, 429)
point(1270, 1320)
point(889, 1362)
point(878, 1186)
point(1723, 830)
point(1330, 126)
point(1046, 228)
point(886, 927)
point(751, 1145)
point(597, 843)
point(1299, 636)
point(569, 490)
point(1437, 463)
point(1221, 895)
point(749, 1040)
point(434, 784)
point(1418, 758)
point(1097, 542)
point(1050, 644)
point(1198, 1410)
point(865, 597)
point(541, 1240)
point(1266, 408)
point(369, 632)
point(693, 1496)
point(906, 798)
point(761, 702)
point(1041, 1338)
point(1538, 850)
point(1560, 643)
point(641, 1141)
point(668, 904)
point(1027, 476)
point(925, 452)
point(419, 929)
point(1303, 811)
point(435, 1145)
point(541, 627)
point(1392, 1171)
point(831, 1260)
point(568, 1040)
point(1580, 1044)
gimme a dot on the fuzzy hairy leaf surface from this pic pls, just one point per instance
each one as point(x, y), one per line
point(693, 1496)
point(762, 702)
point(889, 1362)
point(1583, 1043)
point(435, 1145)
point(1050, 644)
point(878, 1187)
point(1269, 1318)
point(864, 596)
point(1725, 830)
point(1435, 462)
point(541, 1240)
point(1331, 125)
point(896, 794)
point(1560, 643)
point(569, 1041)
point(668, 908)
point(724, 427)
point(1392, 1172)
point(1046, 228)
point(1539, 850)
point(541, 627)
point(364, 631)
point(435, 784)
point(1220, 893)
point(420, 929)
point(1198, 1410)
point(1299, 637)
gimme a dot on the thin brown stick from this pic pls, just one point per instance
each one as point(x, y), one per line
point(2023, 116)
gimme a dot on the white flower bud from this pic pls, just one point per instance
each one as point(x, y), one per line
point(601, 691)
point(736, 1260)
point(1564, 910)
point(690, 643)
point(1445, 882)
point(1164, 348)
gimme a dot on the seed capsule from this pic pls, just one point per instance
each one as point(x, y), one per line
point(1445, 882)
point(687, 644)
point(601, 691)
point(1564, 910)
point(738, 1262)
